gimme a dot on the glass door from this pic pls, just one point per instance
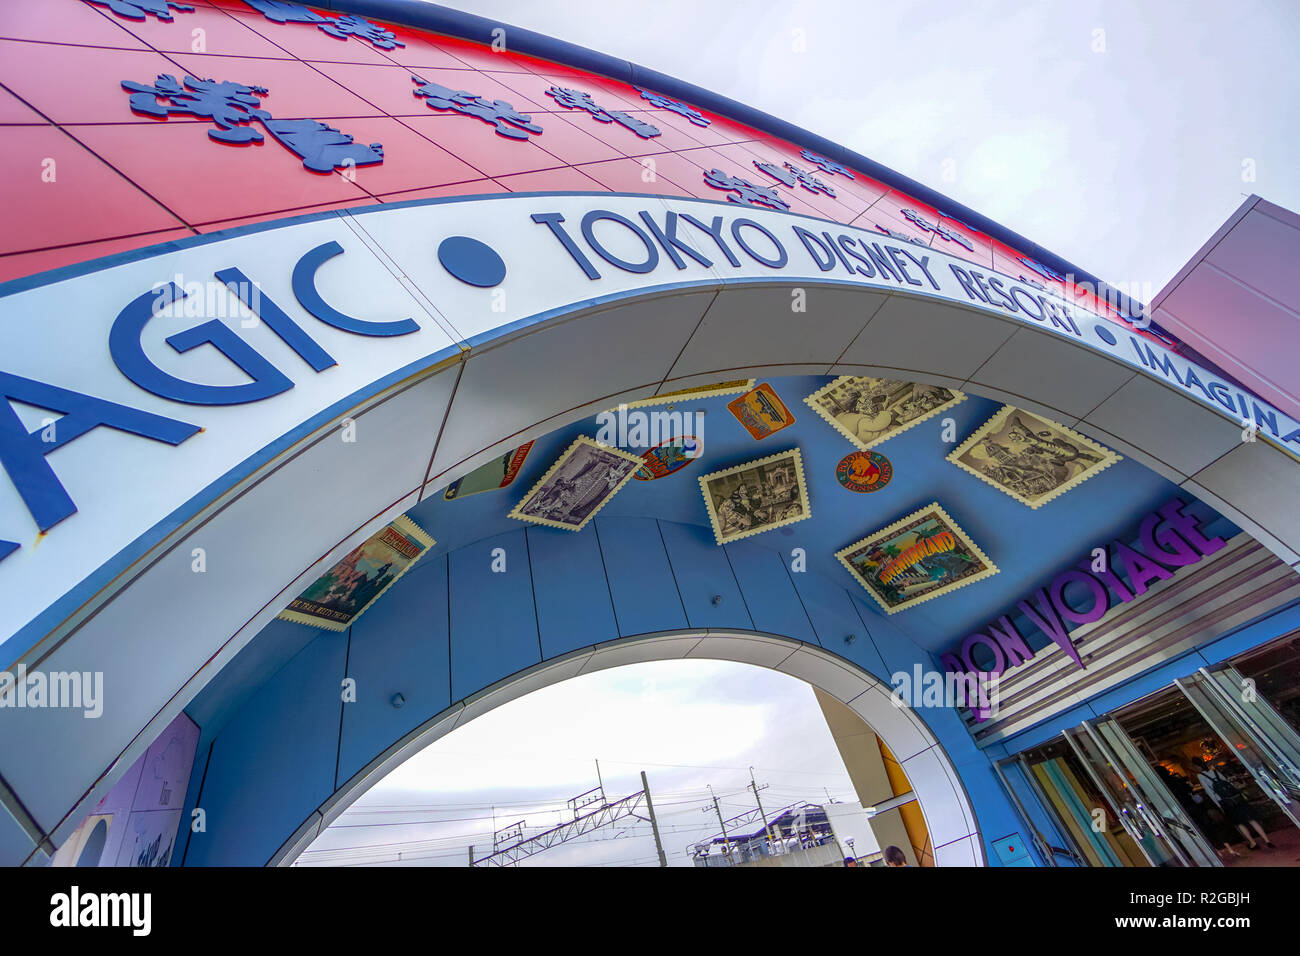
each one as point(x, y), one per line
point(1253, 730)
point(1074, 810)
point(1155, 798)
point(1145, 806)
point(1123, 802)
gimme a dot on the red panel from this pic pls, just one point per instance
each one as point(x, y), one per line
point(532, 87)
point(296, 90)
point(894, 202)
point(545, 67)
point(611, 94)
point(883, 215)
point(410, 160)
point(352, 86)
point(488, 87)
point(982, 245)
point(629, 176)
point(284, 214)
point(1007, 261)
point(670, 138)
point(307, 41)
point(387, 87)
point(571, 145)
point(73, 84)
point(481, 57)
point(67, 21)
point(709, 135)
point(477, 187)
point(737, 160)
point(14, 110)
point(844, 207)
point(864, 190)
point(87, 200)
point(421, 50)
point(477, 143)
point(565, 179)
point(29, 263)
point(734, 131)
point(205, 181)
point(221, 34)
point(743, 167)
point(686, 169)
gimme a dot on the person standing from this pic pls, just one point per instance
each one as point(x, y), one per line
point(1229, 799)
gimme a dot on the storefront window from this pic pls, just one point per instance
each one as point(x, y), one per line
point(1203, 773)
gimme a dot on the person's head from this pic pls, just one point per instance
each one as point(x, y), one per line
point(894, 857)
point(850, 861)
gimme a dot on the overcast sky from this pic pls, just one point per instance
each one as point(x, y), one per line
point(1120, 135)
point(1113, 133)
point(687, 724)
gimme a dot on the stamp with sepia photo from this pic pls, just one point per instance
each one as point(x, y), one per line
point(1030, 458)
point(870, 411)
point(756, 496)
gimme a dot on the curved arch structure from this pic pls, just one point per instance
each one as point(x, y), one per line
point(376, 351)
point(936, 783)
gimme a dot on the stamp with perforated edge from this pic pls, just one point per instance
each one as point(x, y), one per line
point(869, 411)
point(579, 484)
point(918, 558)
point(1030, 458)
point(756, 496)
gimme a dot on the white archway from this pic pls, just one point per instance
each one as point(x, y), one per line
point(450, 413)
point(940, 794)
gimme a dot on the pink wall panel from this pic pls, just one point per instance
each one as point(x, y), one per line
point(1236, 304)
point(67, 21)
point(388, 87)
point(220, 33)
point(84, 200)
point(563, 179)
point(284, 214)
point(632, 176)
point(477, 144)
point(28, 263)
point(475, 187)
point(72, 84)
point(14, 110)
point(488, 86)
point(306, 42)
point(203, 181)
point(296, 90)
point(410, 160)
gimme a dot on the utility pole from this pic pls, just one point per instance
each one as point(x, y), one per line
point(726, 846)
point(471, 854)
point(650, 808)
point(753, 785)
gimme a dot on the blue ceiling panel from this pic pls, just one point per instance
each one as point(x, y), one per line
point(568, 621)
point(1028, 545)
point(493, 624)
point(638, 571)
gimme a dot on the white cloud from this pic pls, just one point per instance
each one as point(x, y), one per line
point(688, 724)
point(1123, 159)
